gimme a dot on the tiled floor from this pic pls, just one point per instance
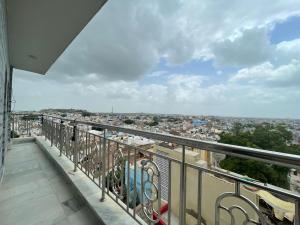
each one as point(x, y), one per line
point(34, 193)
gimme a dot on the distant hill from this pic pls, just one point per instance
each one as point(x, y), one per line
point(81, 111)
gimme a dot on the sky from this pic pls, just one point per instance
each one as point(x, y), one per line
point(225, 58)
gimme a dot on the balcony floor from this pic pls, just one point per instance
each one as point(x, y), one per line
point(34, 193)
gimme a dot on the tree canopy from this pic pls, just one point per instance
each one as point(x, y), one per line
point(129, 121)
point(264, 136)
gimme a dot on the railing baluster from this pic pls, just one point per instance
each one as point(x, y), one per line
point(108, 169)
point(122, 179)
point(297, 212)
point(169, 192)
point(46, 128)
point(182, 188)
point(75, 147)
point(199, 203)
point(103, 164)
point(42, 125)
point(29, 126)
point(113, 168)
point(128, 179)
point(52, 132)
point(237, 188)
point(134, 183)
point(26, 126)
point(84, 157)
point(67, 142)
point(114, 180)
point(98, 167)
point(61, 137)
point(88, 155)
point(13, 125)
point(81, 148)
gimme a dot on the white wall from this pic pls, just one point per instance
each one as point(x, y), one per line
point(4, 87)
point(212, 188)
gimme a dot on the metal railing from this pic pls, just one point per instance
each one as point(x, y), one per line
point(195, 194)
point(25, 124)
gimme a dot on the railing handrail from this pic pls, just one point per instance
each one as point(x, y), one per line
point(92, 154)
point(267, 156)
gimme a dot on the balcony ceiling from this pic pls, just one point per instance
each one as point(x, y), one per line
point(40, 30)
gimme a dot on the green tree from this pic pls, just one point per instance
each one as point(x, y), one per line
point(86, 113)
point(264, 136)
point(156, 119)
point(97, 128)
point(129, 121)
point(14, 134)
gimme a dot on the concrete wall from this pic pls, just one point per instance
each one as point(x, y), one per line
point(5, 84)
point(212, 187)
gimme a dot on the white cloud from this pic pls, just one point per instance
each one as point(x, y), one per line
point(158, 73)
point(248, 48)
point(181, 94)
point(154, 93)
point(185, 88)
point(126, 39)
point(286, 51)
point(268, 74)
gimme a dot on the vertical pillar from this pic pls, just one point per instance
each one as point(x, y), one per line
point(182, 188)
point(61, 138)
point(75, 147)
point(13, 126)
point(103, 162)
point(52, 131)
point(42, 125)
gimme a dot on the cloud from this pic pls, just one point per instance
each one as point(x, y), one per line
point(121, 90)
point(187, 94)
point(267, 74)
point(248, 48)
point(158, 73)
point(287, 51)
point(127, 39)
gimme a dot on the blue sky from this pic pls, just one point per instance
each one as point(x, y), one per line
point(282, 31)
point(225, 58)
point(286, 30)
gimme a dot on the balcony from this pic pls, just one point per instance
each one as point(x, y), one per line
point(153, 184)
point(60, 171)
point(34, 192)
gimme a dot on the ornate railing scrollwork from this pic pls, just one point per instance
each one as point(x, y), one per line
point(151, 190)
point(68, 141)
point(89, 156)
point(81, 144)
point(118, 172)
point(247, 221)
point(116, 163)
point(23, 127)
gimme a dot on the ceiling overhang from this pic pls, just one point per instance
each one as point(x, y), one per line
point(40, 30)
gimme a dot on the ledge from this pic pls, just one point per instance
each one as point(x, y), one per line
point(21, 140)
point(108, 211)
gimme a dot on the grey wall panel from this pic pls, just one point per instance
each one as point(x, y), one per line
point(4, 86)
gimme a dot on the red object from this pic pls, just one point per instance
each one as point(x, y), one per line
point(162, 210)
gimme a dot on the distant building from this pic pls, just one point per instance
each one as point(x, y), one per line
point(198, 123)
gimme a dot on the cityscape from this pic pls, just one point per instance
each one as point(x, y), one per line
point(199, 127)
point(203, 128)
